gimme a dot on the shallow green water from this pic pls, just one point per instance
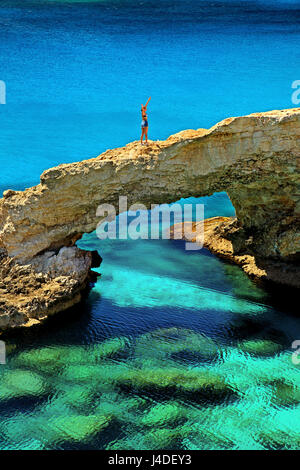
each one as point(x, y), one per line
point(167, 388)
point(171, 350)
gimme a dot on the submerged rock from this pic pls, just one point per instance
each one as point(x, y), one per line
point(21, 383)
point(162, 438)
point(78, 427)
point(162, 414)
point(194, 384)
point(77, 396)
point(285, 393)
point(46, 360)
point(122, 409)
point(170, 342)
point(81, 373)
point(51, 359)
point(109, 348)
point(260, 347)
point(279, 439)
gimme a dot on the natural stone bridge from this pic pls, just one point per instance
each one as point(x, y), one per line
point(254, 158)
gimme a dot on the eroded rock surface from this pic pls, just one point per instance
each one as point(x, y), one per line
point(254, 158)
point(219, 234)
point(46, 285)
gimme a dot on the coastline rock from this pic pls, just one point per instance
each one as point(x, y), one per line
point(254, 158)
point(46, 285)
point(220, 237)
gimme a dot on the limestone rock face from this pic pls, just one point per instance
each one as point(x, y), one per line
point(48, 284)
point(69, 261)
point(218, 233)
point(254, 158)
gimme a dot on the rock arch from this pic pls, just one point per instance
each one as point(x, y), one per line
point(254, 158)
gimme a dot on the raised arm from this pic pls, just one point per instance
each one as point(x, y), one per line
point(148, 102)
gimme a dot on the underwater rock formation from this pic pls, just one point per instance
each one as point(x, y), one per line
point(112, 394)
point(254, 158)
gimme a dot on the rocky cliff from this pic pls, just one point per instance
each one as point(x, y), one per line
point(254, 158)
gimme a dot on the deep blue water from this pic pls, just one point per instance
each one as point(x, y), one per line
point(76, 73)
point(100, 376)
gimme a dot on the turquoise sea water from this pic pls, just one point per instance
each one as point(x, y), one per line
point(171, 349)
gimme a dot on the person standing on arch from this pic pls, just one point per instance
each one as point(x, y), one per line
point(145, 122)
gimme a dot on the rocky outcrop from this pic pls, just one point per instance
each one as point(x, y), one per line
point(254, 158)
point(47, 285)
point(218, 233)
